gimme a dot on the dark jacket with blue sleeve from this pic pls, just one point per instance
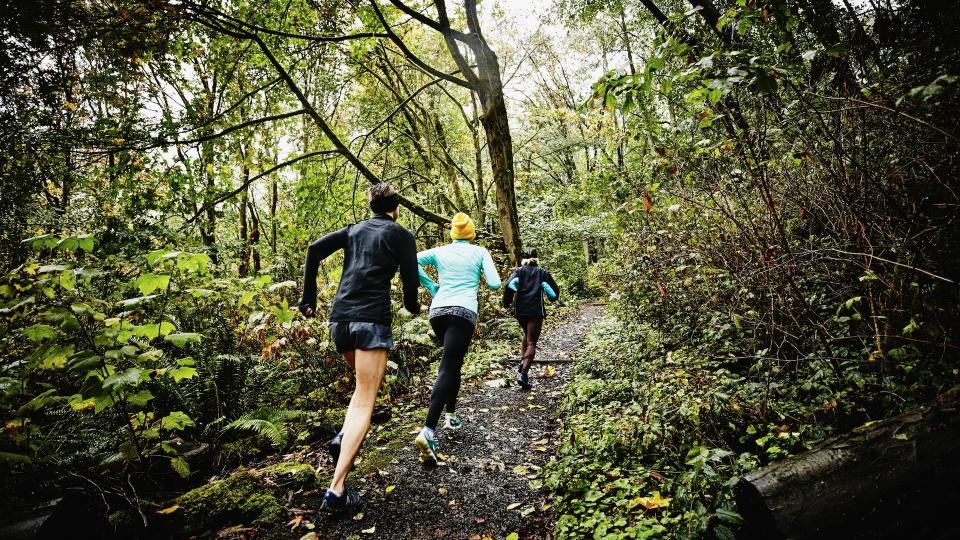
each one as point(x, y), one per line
point(527, 300)
point(373, 251)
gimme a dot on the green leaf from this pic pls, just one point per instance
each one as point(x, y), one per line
point(139, 399)
point(181, 373)
point(161, 255)
point(147, 283)
point(182, 339)
point(176, 420)
point(53, 356)
point(39, 332)
point(129, 377)
point(67, 280)
point(85, 242)
point(246, 298)
point(180, 466)
point(44, 241)
point(152, 331)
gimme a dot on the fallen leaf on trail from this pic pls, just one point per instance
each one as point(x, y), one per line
point(371, 530)
point(295, 522)
point(513, 536)
point(310, 536)
point(527, 511)
point(391, 488)
point(647, 202)
point(358, 516)
point(511, 506)
point(546, 506)
point(442, 456)
point(479, 520)
point(521, 470)
point(654, 502)
point(513, 430)
point(657, 476)
point(547, 373)
point(442, 491)
point(495, 383)
point(169, 509)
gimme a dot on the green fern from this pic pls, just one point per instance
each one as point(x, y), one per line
point(266, 422)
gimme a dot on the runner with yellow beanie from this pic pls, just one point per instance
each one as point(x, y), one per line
point(453, 315)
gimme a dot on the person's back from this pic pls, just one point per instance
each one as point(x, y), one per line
point(373, 251)
point(459, 265)
point(528, 301)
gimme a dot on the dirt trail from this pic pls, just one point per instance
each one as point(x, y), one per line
point(489, 483)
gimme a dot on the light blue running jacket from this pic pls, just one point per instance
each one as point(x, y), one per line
point(459, 265)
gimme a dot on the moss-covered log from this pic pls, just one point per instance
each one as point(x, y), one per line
point(888, 479)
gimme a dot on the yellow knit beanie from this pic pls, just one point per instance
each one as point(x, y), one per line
point(462, 227)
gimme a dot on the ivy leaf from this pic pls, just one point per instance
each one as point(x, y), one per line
point(182, 339)
point(176, 420)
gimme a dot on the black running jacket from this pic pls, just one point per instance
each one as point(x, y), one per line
point(373, 251)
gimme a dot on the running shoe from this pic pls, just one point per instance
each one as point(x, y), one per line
point(334, 447)
point(341, 504)
point(523, 380)
point(427, 444)
point(452, 421)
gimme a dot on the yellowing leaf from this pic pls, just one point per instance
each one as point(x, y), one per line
point(169, 510)
point(295, 522)
point(371, 530)
point(511, 506)
point(442, 491)
point(358, 516)
point(653, 502)
point(391, 488)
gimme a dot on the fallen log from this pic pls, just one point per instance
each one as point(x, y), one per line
point(897, 478)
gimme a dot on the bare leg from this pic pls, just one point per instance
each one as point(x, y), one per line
point(370, 366)
point(350, 358)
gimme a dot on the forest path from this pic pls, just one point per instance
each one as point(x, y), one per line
point(489, 483)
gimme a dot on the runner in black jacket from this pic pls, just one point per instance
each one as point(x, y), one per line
point(525, 289)
point(373, 251)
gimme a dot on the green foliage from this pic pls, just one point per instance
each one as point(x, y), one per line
point(268, 423)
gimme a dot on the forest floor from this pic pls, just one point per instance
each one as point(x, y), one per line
point(488, 483)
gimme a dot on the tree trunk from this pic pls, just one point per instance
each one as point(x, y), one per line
point(273, 215)
point(244, 269)
point(894, 479)
point(254, 239)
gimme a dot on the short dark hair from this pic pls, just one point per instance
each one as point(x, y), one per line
point(530, 254)
point(379, 191)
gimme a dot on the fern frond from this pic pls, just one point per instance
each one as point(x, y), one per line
point(266, 422)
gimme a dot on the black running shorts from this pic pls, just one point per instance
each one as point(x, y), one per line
point(353, 335)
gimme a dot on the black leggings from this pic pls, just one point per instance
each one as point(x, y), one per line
point(454, 333)
point(531, 334)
